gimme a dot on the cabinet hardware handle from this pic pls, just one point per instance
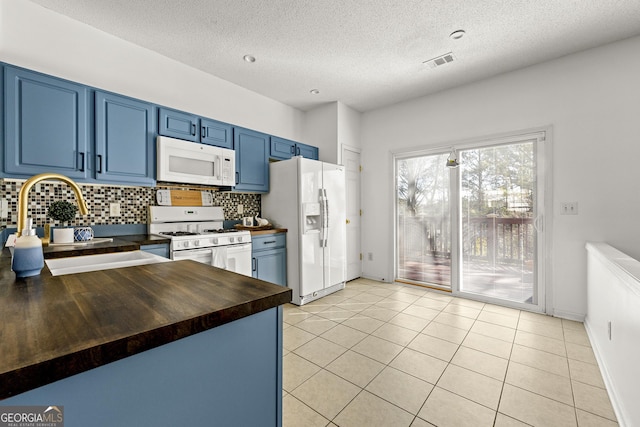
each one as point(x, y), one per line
point(203, 132)
point(82, 162)
point(293, 149)
point(237, 178)
point(268, 242)
point(253, 264)
point(193, 129)
point(297, 151)
point(99, 163)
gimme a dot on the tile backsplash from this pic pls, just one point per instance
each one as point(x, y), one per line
point(133, 202)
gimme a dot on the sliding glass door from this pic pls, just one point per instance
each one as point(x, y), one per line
point(498, 204)
point(475, 229)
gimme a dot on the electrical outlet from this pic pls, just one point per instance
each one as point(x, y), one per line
point(4, 209)
point(240, 208)
point(569, 208)
point(370, 256)
point(114, 209)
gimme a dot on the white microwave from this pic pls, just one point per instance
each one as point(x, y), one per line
point(193, 163)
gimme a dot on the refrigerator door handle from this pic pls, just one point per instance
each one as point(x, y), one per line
point(325, 219)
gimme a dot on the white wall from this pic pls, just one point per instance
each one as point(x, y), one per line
point(321, 130)
point(590, 99)
point(39, 39)
point(349, 122)
point(329, 127)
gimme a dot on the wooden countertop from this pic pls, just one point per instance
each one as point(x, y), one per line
point(269, 231)
point(119, 244)
point(55, 327)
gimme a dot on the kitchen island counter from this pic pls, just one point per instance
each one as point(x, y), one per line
point(56, 327)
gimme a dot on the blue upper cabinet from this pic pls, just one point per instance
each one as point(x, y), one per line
point(252, 160)
point(283, 149)
point(178, 124)
point(181, 125)
point(45, 125)
point(307, 151)
point(216, 133)
point(125, 145)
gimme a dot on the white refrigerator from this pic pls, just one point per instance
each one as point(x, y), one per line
point(307, 197)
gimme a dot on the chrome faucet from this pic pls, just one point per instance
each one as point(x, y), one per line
point(23, 199)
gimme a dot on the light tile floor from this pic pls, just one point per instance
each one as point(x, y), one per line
point(381, 354)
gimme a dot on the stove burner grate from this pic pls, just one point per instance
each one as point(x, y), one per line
point(178, 233)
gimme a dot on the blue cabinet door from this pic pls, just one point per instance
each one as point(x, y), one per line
point(125, 146)
point(216, 133)
point(46, 125)
point(252, 160)
point(307, 151)
point(178, 124)
point(282, 148)
point(271, 266)
point(269, 255)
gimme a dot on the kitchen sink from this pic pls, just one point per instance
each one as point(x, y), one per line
point(84, 263)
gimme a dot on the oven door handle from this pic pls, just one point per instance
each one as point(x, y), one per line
point(189, 254)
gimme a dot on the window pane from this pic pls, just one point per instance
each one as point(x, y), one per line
point(497, 211)
point(423, 220)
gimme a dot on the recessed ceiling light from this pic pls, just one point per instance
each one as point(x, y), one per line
point(314, 91)
point(458, 34)
point(249, 58)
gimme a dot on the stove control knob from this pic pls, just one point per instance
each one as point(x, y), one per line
point(231, 239)
point(196, 242)
point(239, 239)
point(215, 241)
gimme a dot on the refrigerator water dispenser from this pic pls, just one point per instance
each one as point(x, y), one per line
point(311, 215)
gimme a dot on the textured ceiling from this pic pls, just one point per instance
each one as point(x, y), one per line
point(364, 53)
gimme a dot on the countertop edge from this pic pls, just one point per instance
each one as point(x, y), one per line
point(37, 375)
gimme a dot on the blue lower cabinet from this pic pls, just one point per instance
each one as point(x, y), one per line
point(269, 258)
point(46, 125)
point(125, 145)
point(160, 249)
point(252, 160)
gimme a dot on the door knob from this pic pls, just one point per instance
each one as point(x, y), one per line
point(348, 222)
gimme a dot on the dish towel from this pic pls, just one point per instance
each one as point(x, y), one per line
point(219, 258)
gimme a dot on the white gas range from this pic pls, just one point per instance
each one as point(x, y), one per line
point(197, 233)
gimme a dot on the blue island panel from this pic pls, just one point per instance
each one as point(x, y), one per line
point(227, 376)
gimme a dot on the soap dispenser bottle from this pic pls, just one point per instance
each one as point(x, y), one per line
point(28, 258)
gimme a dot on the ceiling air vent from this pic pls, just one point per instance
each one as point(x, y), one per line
point(440, 60)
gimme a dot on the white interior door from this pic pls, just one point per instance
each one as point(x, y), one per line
point(351, 162)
